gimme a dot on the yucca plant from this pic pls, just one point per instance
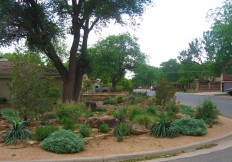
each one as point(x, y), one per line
point(18, 131)
point(164, 128)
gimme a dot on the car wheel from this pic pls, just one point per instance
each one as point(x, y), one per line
point(230, 93)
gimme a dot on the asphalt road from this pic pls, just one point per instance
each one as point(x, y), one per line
point(223, 103)
point(221, 153)
point(218, 156)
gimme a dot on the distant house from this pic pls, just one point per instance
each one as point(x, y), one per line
point(226, 81)
point(5, 74)
point(5, 71)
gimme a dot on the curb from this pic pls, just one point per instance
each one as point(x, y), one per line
point(114, 158)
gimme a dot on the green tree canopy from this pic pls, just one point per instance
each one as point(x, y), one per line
point(31, 92)
point(41, 23)
point(170, 69)
point(146, 75)
point(114, 55)
point(218, 39)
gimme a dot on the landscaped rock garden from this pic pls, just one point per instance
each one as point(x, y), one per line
point(75, 127)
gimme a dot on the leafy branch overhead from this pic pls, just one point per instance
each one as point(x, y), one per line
point(41, 23)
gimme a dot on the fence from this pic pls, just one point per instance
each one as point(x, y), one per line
point(209, 87)
point(199, 87)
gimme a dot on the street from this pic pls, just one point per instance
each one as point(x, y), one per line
point(220, 153)
point(223, 103)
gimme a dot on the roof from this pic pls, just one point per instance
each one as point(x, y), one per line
point(7, 66)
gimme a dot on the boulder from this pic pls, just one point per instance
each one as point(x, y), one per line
point(96, 122)
point(138, 129)
point(92, 105)
point(49, 122)
point(111, 121)
point(3, 125)
point(179, 116)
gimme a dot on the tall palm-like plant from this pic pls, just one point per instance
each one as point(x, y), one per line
point(18, 131)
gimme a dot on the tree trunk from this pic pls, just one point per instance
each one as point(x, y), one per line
point(78, 85)
point(113, 88)
point(82, 62)
point(68, 92)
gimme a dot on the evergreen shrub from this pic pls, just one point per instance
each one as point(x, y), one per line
point(63, 141)
point(208, 112)
point(42, 132)
point(104, 128)
point(85, 130)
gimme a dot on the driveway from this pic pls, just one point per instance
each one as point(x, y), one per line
point(147, 91)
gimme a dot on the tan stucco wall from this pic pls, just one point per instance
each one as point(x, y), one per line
point(4, 90)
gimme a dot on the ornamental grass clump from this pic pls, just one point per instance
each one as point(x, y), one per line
point(85, 130)
point(122, 130)
point(69, 110)
point(144, 119)
point(164, 128)
point(63, 141)
point(120, 113)
point(43, 131)
point(104, 128)
point(190, 126)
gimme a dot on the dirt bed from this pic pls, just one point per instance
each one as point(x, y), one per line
point(110, 146)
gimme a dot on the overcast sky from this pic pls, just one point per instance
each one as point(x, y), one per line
point(168, 27)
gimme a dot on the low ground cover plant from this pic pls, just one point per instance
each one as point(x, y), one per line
point(190, 126)
point(104, 128)
point(188, 110)
point(63, 141)
point(137, 97)
point(110, 101)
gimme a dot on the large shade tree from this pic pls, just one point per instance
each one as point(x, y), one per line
point(170, 69)
point(218, 40)
point(41, 23)
point(146, 75)
point(115, 55)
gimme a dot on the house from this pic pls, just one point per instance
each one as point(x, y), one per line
point(226, 82)
point(5, 74)
point(5, 71)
